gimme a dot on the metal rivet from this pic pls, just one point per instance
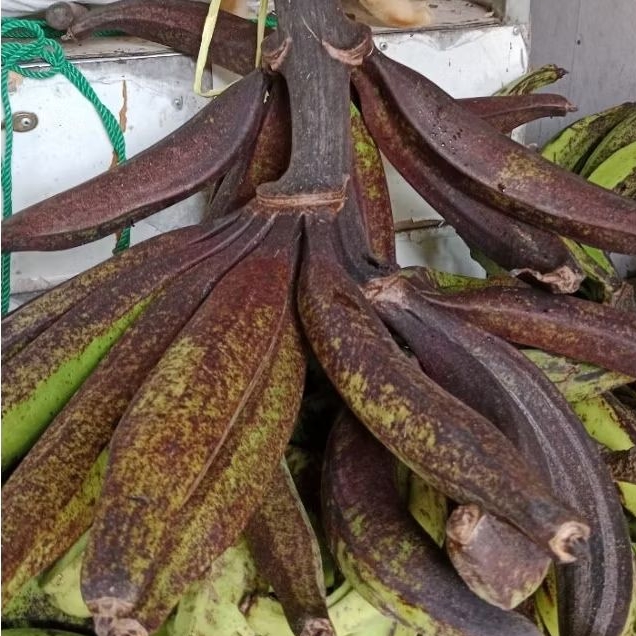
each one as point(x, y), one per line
point(516, 30)
point(383, 45)
point(178, 102)
point(23, 122)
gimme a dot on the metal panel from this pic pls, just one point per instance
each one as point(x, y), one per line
point(595, 41)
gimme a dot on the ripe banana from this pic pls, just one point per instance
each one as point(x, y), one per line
point(212, 367)
point(513, 244)
point(177, 24)
point(457, 137)
point(287, 554)
point(204, 148)
point(28, 321)
point(40, 379)
point(410, 414)
point(384, 553)
point(532, 414)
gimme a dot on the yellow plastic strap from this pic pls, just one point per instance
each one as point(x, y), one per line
point(206, 39)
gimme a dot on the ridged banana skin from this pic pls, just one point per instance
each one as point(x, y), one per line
point(49, 475)
point(616, 168)
point(623, 134)
point(39, 380)
point(533, 80)
point(454, 448)
point(218, 511)
point(496, 169)
point(181, 416)
point(571, 147)
point(385, 555)
point(287, 554)
point(200, 151)
point(595, 591)
point(29, 320)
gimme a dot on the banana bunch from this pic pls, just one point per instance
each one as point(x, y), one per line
point(148, 402)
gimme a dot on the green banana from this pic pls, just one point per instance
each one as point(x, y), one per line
point(533, 80)
point(213, 605)
point(577, 381)
point(428, 507)
point(623, 134)
point(287, 554)
point(62, 582)
point(616, 168)
point(571, 147)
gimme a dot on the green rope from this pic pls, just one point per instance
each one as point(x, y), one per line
point(42, 48)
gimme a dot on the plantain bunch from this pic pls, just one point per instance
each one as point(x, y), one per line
point(148, 402)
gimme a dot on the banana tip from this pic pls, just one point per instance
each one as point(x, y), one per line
point(316, 627)
point(569, 544)
point(462, 523)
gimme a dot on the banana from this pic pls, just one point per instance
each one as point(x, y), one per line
point(37, 631)
point(410, 414)
point(61, 582)
point(533, 80)
point(177, 24)
point(507, 112)
point(22, 325)
point(497, 563)
point(287, 554)
point(266, 162)
point(211, 368)
point(428, 507)
point(616, 168)
point(179, 165)
point(372, 192)
point(513, 244)
point(513, 179)
point(623, 134)
point(561, 325)
point(532, 414)
point(604, 420)
point(28, 556)
point(71, 444)
point(576, 380)
point(213, 605)
point(39, 380)
point(385, 555)
point(571, 147)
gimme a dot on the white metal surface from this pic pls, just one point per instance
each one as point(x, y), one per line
point(151, 91)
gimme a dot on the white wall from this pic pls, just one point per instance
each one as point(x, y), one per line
point(596, 41)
